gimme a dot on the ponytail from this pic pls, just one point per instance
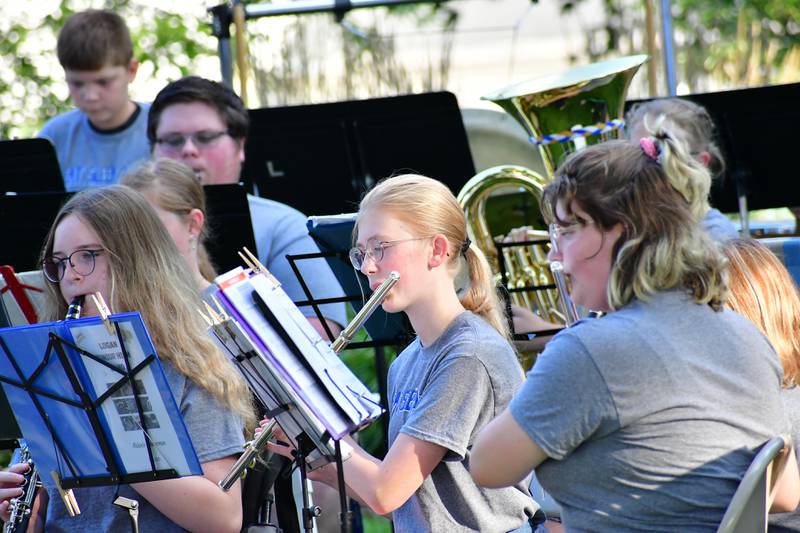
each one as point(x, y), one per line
point(685, 173)
point(480, 297)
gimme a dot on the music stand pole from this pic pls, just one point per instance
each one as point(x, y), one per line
point(309, 511)
point(345, 515)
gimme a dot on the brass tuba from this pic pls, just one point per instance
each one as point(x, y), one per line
point(561, 113)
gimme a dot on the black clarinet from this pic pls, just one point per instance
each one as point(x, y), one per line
point(22, 506)
point(74, 309)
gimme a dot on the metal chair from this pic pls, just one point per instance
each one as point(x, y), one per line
point(747, 512)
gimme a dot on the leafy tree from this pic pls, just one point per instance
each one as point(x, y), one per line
point(719, 44)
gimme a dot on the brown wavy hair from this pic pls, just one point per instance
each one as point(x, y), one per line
point(661, 246)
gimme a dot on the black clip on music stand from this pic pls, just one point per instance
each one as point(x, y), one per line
point(84, 406)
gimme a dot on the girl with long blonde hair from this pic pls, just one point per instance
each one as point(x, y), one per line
point(110, 240)
point(645, 419)
point(457, 374)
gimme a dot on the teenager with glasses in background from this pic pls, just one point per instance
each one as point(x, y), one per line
point(203, 124)
point(457, 374)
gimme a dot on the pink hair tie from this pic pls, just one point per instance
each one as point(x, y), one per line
point(649, 148)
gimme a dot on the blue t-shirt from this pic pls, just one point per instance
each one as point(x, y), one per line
point(92, 158)
point(279, 231)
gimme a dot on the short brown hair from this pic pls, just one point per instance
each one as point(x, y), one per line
point(93, 39)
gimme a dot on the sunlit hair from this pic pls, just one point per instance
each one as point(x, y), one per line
point(147, 274)
point(682, 131)
point(428, 207)
point(763, 290)
point(94, 39)
point(176, 189)
point(687, 120)
point(661, 246)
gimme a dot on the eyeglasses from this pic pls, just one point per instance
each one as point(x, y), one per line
point(81, 261)
point(559, 231)
point(174, 142)
point(374, 250)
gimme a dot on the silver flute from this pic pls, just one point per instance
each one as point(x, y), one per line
point(22, 506)
point(254, 447)
point(363, 315)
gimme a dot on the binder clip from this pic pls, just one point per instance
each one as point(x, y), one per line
point(67, 495)
point(102, 308)
point(256, 266)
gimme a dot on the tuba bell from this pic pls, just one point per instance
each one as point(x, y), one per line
point(561, 113)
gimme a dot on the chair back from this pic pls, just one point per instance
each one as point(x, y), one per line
point(749, 508)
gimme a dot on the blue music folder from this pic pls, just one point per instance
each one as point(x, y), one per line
point(91, 399)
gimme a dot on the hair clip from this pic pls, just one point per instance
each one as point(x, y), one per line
point(650, 148)
point(465, 246)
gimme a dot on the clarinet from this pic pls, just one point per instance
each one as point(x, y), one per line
point(22, 506)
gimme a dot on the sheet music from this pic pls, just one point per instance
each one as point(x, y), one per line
point(120, 409)
point(317, 375)
point(334, 374)
point(272, 392)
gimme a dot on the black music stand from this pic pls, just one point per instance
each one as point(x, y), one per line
point(230, 229)
point(320, 159)
point(25, 220)
point(81, 419)
point(756, 130)
point(29, 165)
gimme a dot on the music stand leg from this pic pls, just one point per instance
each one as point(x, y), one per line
point(345, 515)
point(309, 511)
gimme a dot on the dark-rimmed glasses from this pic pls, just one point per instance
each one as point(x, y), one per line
point(81, 261)
point(174, 142)
point(374, 250)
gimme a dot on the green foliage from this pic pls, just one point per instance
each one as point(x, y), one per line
point(719, 43)
point(32, 89)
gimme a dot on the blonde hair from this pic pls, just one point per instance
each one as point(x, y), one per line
point(763, 291)
point(661, 247)
point(682, 130)
point(687, 120)
point(428, 207)
point(177, 190)
point(148, 275)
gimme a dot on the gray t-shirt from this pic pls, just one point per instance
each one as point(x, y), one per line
point(651, 415)
point(216, 433)
point(718, 226)
point(786, 522)
point(279, 231)
point(92, 158)
point(445, 394)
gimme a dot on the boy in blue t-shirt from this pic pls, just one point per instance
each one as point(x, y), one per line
point(103, 138)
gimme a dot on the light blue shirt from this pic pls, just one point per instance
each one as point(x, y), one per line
point(92, 158)
point(279, 231)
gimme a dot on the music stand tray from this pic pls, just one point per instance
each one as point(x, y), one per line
point(29, 165)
